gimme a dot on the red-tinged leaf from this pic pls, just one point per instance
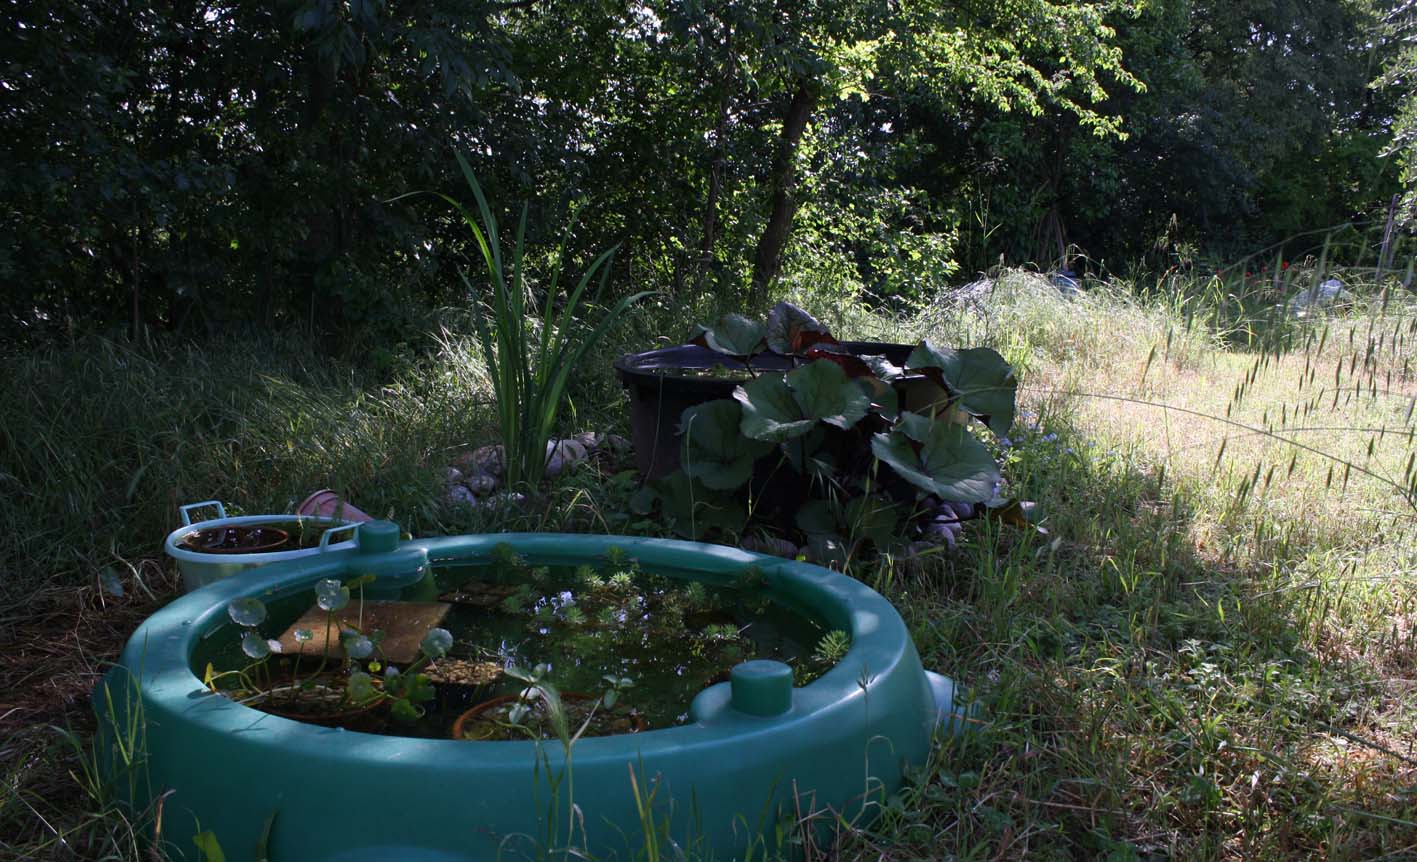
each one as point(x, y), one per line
point(854, 366)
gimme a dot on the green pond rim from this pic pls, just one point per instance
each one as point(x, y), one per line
point(318, 793)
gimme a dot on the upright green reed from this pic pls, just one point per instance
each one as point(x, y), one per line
point(531, 351)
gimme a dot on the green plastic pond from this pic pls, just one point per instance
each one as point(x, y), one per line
point(824, 703)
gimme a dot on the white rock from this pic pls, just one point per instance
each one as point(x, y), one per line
point(562, 454)
point(614, 444)
point(460, 494)
point(489, 459)
point(453, 476)
point(500, 499)
point(481, 483)
point(1317, 298)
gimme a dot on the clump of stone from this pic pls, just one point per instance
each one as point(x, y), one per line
point(476, 478)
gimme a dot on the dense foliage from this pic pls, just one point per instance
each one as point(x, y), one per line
point(195, 165)
point(841, 446)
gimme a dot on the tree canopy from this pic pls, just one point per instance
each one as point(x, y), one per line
point(199, 165)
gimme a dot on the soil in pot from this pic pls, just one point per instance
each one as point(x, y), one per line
point(279, 534)
point(255, 539)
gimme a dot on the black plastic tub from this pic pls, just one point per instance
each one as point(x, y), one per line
point(659, 395)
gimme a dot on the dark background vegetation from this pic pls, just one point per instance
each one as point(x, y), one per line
point(198, 167)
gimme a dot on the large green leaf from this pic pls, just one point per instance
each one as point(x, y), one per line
point(818, 516)
point(782, 408)
point(867, 517)
point(690, 509)
point(792, 330)
point(693, 510)
point(978, 377)
point(884, 399)
point(714, 450)
point(808, 457)
point(732, 334)
point(824, 392)
point(769, 411)
point(950, 463)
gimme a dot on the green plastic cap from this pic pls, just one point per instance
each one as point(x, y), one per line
point(378, 537)
point(761, 687)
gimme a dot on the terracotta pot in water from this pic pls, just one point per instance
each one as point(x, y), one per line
point(465, 720)
point(346, 715)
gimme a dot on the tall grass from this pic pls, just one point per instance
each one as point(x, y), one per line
point(1211, 654)
point(100, 442)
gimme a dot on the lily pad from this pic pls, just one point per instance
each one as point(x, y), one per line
point(255, 646)
point(978, 377)
point(732, 334)
point(792, 330)
point(714, 450)
point(331, 595)
point(949, 462)
point(360, 687)
point(436, 643)
point(247, 611)
point(356, 645)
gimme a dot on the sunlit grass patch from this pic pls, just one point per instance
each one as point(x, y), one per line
point(1210, 655)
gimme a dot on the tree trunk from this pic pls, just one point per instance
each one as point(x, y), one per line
point(719, 161)
point(768, 257)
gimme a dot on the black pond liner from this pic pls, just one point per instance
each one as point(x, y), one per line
point(658, 396)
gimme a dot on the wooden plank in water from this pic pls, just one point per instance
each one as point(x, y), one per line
point(403, 623)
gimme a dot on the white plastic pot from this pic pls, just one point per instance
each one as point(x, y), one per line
point(199, 569)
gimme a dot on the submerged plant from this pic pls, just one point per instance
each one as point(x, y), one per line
point(832, 647)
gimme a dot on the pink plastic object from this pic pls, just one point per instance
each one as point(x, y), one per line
point(328, 504)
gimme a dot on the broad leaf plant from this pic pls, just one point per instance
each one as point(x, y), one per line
point(846, 448)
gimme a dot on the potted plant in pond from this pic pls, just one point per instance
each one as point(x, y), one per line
point(722, 356)
point(349, 683)
point(541, 711)
point(836, 446)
